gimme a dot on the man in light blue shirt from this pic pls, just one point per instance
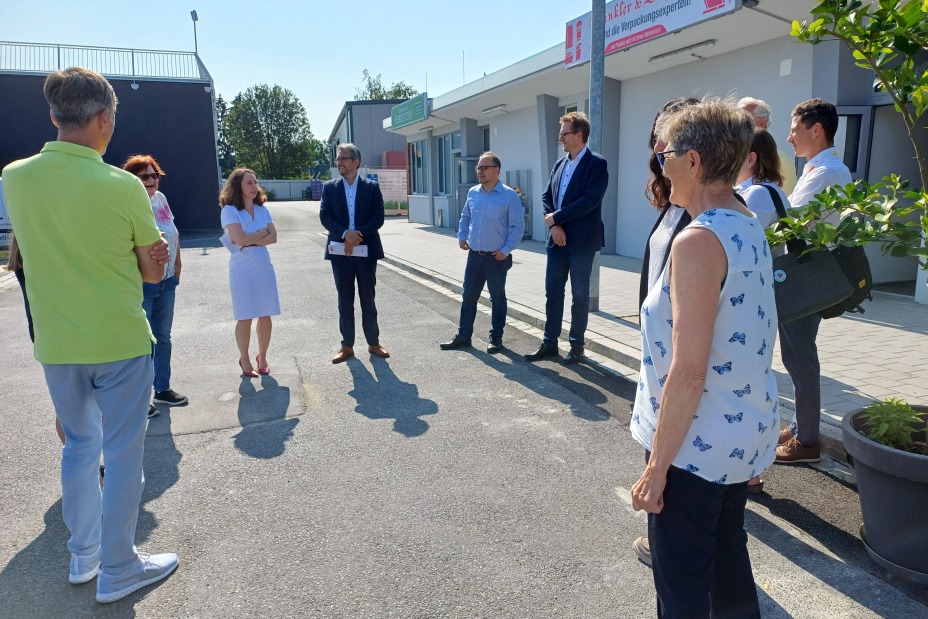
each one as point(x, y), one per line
point(492, 223)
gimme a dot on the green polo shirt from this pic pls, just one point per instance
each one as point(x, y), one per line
point(77, 220)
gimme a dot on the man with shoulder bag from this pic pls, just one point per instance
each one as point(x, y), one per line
point(814, 123)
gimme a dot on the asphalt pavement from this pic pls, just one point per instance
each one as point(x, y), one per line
point(432, 484)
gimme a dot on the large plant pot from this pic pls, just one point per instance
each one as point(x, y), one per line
point(893, 490)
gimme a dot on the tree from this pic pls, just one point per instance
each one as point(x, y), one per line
point(885, 37)
point(269, 132)
point(318, 158)
point(373, 89)
point(223, 148)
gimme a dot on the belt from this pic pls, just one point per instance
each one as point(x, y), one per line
point(483, 253)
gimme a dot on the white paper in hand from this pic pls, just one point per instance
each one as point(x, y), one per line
point(338, 249)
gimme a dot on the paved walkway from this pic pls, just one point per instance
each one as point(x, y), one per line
point(879, 354)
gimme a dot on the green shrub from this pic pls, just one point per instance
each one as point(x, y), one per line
point(893, 423)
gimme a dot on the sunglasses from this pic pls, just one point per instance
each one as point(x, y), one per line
point(662, 156)
point(146, 177)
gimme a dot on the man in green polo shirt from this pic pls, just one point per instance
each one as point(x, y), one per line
point(89, 239)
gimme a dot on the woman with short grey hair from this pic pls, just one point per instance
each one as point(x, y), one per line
point(706, 407)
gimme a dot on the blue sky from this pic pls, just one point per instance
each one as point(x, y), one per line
point(316, 49)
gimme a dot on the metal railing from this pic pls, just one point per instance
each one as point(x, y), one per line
point(109, 61)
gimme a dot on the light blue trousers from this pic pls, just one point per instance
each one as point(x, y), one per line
point(102, 407)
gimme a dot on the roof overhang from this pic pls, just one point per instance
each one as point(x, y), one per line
point(517, 86)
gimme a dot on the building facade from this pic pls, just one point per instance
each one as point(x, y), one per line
point(746, 52)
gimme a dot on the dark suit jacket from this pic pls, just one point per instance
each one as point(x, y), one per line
point(368, 214)
point(581, 209)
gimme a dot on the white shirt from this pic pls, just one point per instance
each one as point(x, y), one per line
point(569, 167)
point(822, 171)
point(759, 201)
point(351, 191)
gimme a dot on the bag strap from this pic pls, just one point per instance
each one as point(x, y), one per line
point(777, 202)
point(793, 246)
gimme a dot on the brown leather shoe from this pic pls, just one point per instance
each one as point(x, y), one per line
point(343, 354)
point(785, 434)
point(794, 452)
point(380, 351)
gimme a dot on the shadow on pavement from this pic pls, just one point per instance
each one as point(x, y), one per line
point(596, 389)
point(260, 437)
point(35, 581)
point(385, 396)
point(161, 469)
point(847, 548)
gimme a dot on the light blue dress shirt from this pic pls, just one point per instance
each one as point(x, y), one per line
point(492, 220)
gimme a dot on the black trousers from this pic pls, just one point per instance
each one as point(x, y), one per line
point(699, 550)
point(348, 270)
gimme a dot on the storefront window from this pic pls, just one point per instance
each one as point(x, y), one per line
point(418, 166)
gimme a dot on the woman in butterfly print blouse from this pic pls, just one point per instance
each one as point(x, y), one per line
point(705, 411)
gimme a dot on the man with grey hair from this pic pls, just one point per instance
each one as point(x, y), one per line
point(352, 212)
point(91, 240)
point(761, 113)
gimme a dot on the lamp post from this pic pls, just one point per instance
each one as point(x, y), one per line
point(193, 16)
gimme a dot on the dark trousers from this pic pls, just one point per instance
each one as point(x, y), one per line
point(699, 550)
point(800, 357)
point(21, 278)
point(562, 263)
point(347, 270)
point(484, 269)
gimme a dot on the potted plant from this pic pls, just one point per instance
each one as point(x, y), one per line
point(886, 440)
point(888, 444)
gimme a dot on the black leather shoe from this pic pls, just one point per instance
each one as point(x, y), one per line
point(495, 345)
point(574, 356)
point(457, 342)
point(545, 350)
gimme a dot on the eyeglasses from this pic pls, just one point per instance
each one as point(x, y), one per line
point(344, 159)
point(662, 156)
point(484, 168)
point(563, 133)
point(146, 177)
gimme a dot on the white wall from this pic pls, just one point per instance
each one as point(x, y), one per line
point(891, 152)
point(514, 138)
point(420, 209)
point(753, 71)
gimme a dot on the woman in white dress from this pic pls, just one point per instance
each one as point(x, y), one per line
point(251, 274)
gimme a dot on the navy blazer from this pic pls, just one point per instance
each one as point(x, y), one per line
point(581, 209)
point(368, 214)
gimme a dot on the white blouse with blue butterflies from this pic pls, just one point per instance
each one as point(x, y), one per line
point(735, 428)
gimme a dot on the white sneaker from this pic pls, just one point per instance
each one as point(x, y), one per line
point(151, 569)
point(84, 568)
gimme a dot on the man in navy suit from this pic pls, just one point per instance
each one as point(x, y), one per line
point(573, 203)
point(352, 212)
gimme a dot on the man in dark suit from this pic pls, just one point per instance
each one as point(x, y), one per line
point(352, 212)
point(573, 203)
